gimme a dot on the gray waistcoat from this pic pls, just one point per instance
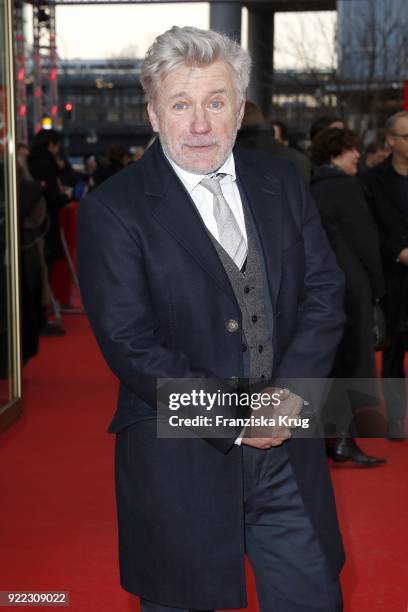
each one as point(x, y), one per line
point(249, 291)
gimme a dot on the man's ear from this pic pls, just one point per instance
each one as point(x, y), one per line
point(241, 113)
point(154, 120)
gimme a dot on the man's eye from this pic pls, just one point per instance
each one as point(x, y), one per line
point(180, 106)
point(216, 104)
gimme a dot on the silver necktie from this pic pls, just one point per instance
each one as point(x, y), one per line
point(230, 236)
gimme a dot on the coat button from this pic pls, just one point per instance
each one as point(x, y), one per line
point(232, 325)
point(244, 348)
point(247, 290)
point(254, 318)
point(260, 348)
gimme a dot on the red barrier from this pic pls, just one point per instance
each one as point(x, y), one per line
point(61, 282)
point(406, 95)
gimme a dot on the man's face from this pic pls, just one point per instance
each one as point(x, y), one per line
point(196, 115)
point(398, 140)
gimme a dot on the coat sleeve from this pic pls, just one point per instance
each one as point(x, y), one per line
point(115, 293)
point(30, 193)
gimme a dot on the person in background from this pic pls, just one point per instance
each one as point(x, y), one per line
point(90, 165)
point(34, 274)
point(375, 154)
point(281, 131)
point(352, 232)
point(43, 166)
point(87, 180)
point(255, 133)
point(118, 158)
point(136, 153)
point(23, 152)
point(388, 188)
point(324, 122)
point(67, 175)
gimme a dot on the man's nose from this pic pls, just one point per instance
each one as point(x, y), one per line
point(200, 123)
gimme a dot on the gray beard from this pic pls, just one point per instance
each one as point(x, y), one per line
point(168, 154)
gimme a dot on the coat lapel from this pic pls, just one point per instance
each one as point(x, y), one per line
point(264, 197)
point(177, 214)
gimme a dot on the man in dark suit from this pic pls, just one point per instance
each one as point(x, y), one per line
point(200, 263)
point(388, 184)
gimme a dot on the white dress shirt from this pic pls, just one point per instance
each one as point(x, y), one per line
point(203, 200)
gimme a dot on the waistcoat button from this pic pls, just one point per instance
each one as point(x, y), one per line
point(232, 325)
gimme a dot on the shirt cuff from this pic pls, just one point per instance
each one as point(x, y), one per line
point(238, 441)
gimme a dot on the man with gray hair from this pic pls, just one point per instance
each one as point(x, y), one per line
point(388, 189)
point(202, 262)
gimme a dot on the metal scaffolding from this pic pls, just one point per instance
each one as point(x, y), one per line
point(45, 65)
point(20, 63)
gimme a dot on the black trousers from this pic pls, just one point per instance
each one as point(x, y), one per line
point(393, 374)
point(290, 569)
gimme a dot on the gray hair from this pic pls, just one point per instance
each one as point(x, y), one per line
point(193, 47)
point(391, 121)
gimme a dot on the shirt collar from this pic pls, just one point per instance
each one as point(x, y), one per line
point(191, 180)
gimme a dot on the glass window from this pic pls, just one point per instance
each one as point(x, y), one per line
point(112, 115)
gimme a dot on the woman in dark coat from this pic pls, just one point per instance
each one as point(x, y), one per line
point(352, 232)
point(34, 286)
point(42, 164)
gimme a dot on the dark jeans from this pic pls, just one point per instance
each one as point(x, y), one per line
point(290, 569)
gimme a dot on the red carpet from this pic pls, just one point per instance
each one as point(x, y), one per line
point(57, 528)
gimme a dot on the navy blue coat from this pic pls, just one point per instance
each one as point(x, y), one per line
point(158, 299)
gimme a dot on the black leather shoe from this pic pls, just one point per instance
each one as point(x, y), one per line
point(52, 329)
point(395, 430)
point(346, 449)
